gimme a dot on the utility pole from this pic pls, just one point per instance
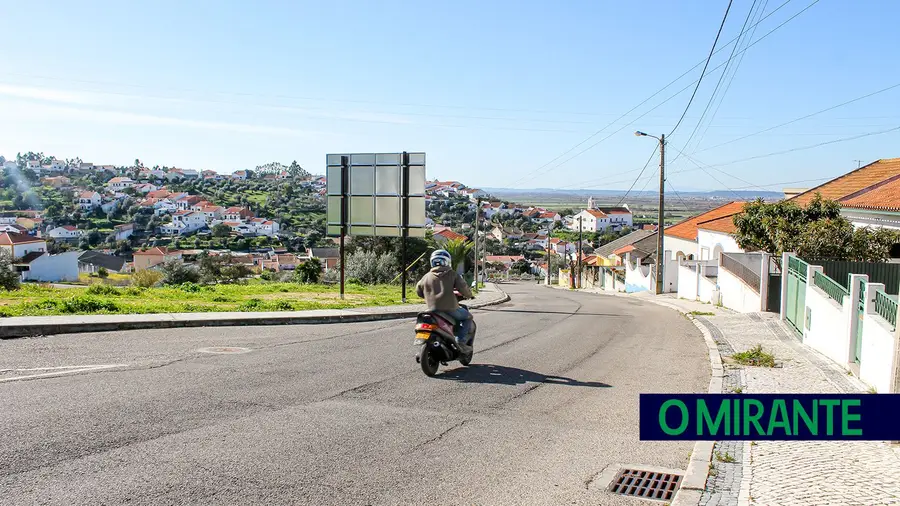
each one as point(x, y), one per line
point(660, 233)
point(477, 214)
point(580, 243)
point(549, 232)
point(858, 163)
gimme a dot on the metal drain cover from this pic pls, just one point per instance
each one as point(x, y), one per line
point(658, 486)
point(221, 350)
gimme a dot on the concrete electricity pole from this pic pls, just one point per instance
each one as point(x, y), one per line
point(477, 213)
point(660, 232)
point(580, 242)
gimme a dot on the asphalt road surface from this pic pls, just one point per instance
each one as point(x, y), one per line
point(342, 414)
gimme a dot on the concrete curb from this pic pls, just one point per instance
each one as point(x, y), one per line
point(697, 473)
point(11, 328)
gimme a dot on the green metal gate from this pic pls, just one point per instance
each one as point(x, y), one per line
point(860, 311)
point(796, 293)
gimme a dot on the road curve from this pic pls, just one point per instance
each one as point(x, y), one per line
point(341, 414)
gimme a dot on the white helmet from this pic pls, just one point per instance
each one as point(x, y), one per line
point(440, 257)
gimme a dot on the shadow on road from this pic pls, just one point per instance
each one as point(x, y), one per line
point(534, 311)
point(502, 375)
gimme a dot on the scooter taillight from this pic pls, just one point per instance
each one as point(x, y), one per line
point(425, 326)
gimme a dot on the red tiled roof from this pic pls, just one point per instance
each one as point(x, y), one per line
point(595, 213)
point(11, 238)
point(156, 250)
point(725, 224)
point(854, 181)
point(87, 194)
point(451, 235)
point(70, 228)
point(687, 229)
point(884, 196)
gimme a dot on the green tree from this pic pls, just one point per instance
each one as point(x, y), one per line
point(816, 231)
point(221, 230)
point(175, 272)
point(309, 271)
point(9, 278)
point(459, 250)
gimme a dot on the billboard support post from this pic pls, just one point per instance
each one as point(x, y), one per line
point(345, 179)
point(404, 219)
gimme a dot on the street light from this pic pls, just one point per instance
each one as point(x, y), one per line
point(660, 232)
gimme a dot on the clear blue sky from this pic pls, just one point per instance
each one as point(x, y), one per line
point(491, 91)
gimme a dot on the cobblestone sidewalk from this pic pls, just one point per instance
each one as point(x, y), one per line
point(772, 473)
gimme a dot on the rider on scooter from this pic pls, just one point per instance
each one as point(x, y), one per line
point(437, 287)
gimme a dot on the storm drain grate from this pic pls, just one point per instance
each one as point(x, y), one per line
point(646, 484)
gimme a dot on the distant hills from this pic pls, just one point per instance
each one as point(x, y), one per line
point(717, 194)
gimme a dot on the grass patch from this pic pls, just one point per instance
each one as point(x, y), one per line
point(702, 313)
point(726, 457)
point(755, 356)
point(100, 298)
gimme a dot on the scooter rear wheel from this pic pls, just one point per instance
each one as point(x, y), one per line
point(428, 362)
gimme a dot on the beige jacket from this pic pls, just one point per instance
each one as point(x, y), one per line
point(437, 286)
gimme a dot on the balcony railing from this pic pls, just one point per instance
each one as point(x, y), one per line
point(831, 287)
point(886, 307)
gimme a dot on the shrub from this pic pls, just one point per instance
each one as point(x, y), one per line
point(371, 268)
point(86, 304)
point(221, 298)
point(190, 287)
point(102, 273)
point(282, 305)
point(251, 305)
point(102, 289)
point(146, 278)
point(175, 272)
point(9, 278)
point(268, 275)
point(134, 291)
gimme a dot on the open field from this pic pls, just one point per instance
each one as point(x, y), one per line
point(38, 300)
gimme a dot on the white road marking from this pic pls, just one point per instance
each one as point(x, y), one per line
point(55, 371)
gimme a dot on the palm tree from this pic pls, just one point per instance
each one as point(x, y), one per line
point(459, 250)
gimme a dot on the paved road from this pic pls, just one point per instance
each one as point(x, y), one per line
point(341, 414)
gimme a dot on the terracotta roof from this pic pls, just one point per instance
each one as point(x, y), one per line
point(504, 258)
point(87, 194)
point(70, 228)
point(10, 238)
point(853, 181)
point(595, 213)
point(451, 235)
point(725, 224)
point(884, 196)
point(687, 229)
point(157, 250)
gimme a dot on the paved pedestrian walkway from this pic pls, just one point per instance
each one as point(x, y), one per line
point(775, 473)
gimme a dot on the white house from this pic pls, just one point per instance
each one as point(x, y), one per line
point(239, 174)
point(48, 268)
point(65, 233)
point(146, 188)
point(601, 219)
point(184, 222)
point(190, 174)
point(110, 205)
point(19, 245)
point(164, 206)
point(58, 165)
point(714, 237)
point(265, 227)
point(682, 238)
point(88, 200)
point(120, 183)
point(34, 165)
point(123, 232)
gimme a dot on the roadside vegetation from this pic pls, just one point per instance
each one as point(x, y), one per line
point(253, 295)
point(755, 356)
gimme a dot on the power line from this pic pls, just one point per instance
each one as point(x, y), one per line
point(760, 12)
point(787, 182)
point(697, 163)
point(652, 155)
point(770, 32)
point(801, 148)
point(664, 88)
point(715, 92)
point(712, 51)
point(857, 99)
point(677, 194)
